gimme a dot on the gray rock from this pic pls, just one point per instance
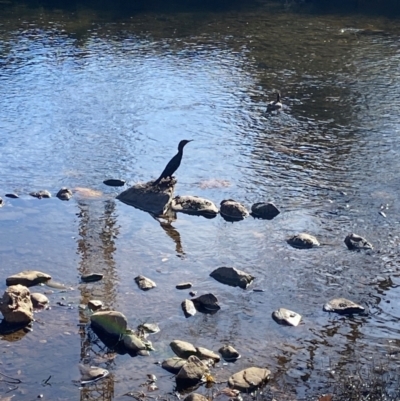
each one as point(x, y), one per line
point(286, 317)
point(231, 210)
point(206, 303)
point(303, 241)
point(249, 379)
point(95, 304)
point(91, 277)
point(114, 182)
point(232, 276)
point(188, 308)
point(204, 353)
point(110, 322)
point(265, 211)
point(12, 196)
point(229, 353)
point(28, 278)
point(39, 300)
point(191, 372)
point(194, 205)
point(64, 194)
point(149, 328)
point(133, 343)
point(183, 349)
point(153, 199)
point(183, 286)
point(174, 364)
point(145, 283)
point(343, 306)
point(195, 397)
point(41, 194)
point(16, 305)
point(356, 242)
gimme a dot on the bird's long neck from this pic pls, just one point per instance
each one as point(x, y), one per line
point(278, 97)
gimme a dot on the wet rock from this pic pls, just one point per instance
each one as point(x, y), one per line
point(39, 300)
point(183, 349)
point(153, 199)
point(95, 304)
point(149, 328)
point(145, 283)
point(232, 276)
point(41, 194)
point(64, 194)
point(204, 353)
point(110, 322)
point(16, 305)
point(91, 277)
point(28, 278)
point(303, 241)
point(12, 196)
point(249, 379)
point(356, 242)
point(229, 353)
point(286, 317)
point(188, 308)
point(1, 202)
point(191, 372)
point(265, 211)
point(195, 397)
point(194, 205)
point(183, 286)
point(91, 374)
point(114, 182)
point(174, 364)
point(133, 343)
point(343, 306)
point(231, 210)
point(206, 303)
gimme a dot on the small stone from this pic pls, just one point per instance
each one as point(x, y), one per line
point(286, 316)
point(194, 205)
point(193, 293)
point(114, 182)
point(231, 210)
point(183, 286)
point(39, 300)
point(229, 353)
point(28, 278)
point(64, 194)
point(12, 196)
point(145, 283)
point(41, 194)
point(183, 349)
point(95, 304)
point(343, 306)
point(232, 276)
point(249, 379)
point(173, 364)
point(207, 303)
point(204, 353)
point(150, 328)
point(91, 277)
point(188, 308)
point(265, 211)
point(356, 242)
point(303, 241)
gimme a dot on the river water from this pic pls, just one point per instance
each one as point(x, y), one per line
point(88, 94)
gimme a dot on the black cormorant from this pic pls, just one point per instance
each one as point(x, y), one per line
point(275, 105)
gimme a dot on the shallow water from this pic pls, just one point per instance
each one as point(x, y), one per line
point(87, 96)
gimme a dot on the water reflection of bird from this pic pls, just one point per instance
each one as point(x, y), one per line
point(173, 164)
point(275, 105)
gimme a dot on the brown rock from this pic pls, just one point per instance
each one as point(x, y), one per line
point(195, 397)
point(145, 283)
point(192, 371)
point(183, 349)
point(249, 379)
point(204, 353)
point(28, 278)
point(39, 300)
point(16, 305)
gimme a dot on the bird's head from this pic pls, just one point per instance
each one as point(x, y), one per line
point(183, 143)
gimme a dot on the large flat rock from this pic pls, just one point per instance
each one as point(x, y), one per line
point(28, 278)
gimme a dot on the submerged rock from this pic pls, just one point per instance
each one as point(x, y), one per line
point(265, 211)
point(28, 278)
point(12, 196)
point(343, 306)
point(173, 364)
point(232, 276)
point(39, 300)
point(114, 182)
point(188, 308)
point(145, 283)
point(229, 353)
point(207, 303)
point(231, 210)
point(249, 379)
point(303, 241)
point(91, 277)
point(64, 194)
point(191, 372)
point(356, 242)
point(110, 322)
point(153, 199)
point(41, 194)
point(16, 305)
point(183, 349)
point(286, 316)
point(194, 205)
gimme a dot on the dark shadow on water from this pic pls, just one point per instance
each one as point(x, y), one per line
point(13, 332)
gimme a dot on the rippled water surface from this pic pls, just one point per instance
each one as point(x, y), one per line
point(87, 96)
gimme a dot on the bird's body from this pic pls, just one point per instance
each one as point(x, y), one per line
point(275, 105)
point(173, 164)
